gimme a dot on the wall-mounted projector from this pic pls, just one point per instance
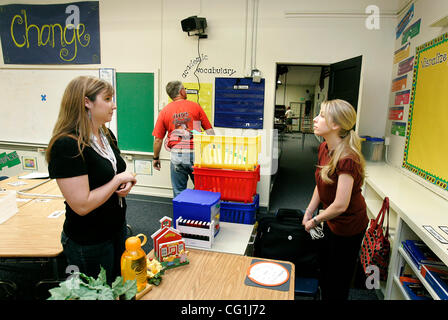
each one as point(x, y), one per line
point(194, 23)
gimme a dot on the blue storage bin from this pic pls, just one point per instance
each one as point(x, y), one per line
point(239, 212)
point(197, 205)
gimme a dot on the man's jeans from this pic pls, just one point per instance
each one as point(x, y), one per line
point(181, 168)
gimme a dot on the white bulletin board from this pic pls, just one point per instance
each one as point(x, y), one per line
point(30, 102)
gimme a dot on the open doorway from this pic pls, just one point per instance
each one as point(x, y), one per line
point(301, 89)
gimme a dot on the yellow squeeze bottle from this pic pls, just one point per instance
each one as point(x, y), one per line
point(133, 262)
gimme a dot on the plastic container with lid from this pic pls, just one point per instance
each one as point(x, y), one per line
point(133, 261)
point(372, 148)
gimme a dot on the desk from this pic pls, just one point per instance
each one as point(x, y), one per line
point(214, 276)
point(30, 233)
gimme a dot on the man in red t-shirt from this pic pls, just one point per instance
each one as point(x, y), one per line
point(179, 118)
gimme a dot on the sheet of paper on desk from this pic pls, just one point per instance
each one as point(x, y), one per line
point(17, 183)
point(8, 205)
point(35, 175)
point(56, 214)
point(268, 273)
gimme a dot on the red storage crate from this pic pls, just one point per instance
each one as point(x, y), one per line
point(234, 185)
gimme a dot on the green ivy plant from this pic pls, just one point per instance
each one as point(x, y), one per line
point(81, 287)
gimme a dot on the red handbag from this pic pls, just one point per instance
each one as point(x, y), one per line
point(375, 248)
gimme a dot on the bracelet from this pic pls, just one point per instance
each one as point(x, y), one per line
point(155, 158)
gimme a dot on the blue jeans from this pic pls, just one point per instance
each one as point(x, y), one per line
point(88, 258)
point(181, 167)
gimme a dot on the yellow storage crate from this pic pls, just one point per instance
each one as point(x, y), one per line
point(226, 152)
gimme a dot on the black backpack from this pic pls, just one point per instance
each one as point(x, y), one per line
point(283, 237)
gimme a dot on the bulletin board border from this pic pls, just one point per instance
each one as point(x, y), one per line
point(428, 176)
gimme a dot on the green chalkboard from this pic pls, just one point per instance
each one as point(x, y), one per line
point(135, 111)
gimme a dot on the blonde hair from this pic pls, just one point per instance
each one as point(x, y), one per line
point(342, 113)
point(73, 120)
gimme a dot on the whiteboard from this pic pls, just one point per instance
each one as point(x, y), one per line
point(30, 102)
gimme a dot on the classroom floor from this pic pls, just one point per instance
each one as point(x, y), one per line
point(294, 184)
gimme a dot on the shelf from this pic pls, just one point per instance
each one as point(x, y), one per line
point(402, 289)
point(409, 201)
point(416, 271)
point(411, 206)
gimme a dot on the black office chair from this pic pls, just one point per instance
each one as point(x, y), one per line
point(8, 290)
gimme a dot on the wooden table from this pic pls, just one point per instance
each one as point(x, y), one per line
point(214, 276)
point(30, 233)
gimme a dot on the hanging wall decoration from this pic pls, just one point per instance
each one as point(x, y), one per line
point(411, 32)
point(402, 53)
point(239, 103)
point(399, 83)
point(51, 34)
point(404, 22)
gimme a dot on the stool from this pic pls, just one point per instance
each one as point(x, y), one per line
point(306, 287)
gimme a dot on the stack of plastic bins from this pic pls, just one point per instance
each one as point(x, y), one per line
point(229, 165)
point(239, 212)
point(197, 205)
point(196, 215)
point(234, 185)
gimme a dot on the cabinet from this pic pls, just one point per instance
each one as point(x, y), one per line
point(411, 206)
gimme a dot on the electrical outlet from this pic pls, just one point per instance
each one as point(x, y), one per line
point(128, 157)
point(386, 141)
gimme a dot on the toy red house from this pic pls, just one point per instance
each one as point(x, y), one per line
point(169, 246)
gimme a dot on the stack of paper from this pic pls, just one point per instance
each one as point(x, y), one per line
point(8, 205)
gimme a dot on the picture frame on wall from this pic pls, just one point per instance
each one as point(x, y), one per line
point(29, 163)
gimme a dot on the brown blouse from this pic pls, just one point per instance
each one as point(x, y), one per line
point(354, 220)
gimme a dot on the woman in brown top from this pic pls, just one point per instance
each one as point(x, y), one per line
point(339, 177)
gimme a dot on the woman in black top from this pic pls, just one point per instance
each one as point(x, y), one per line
point(84, 159)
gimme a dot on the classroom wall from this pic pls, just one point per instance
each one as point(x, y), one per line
point(146, 36)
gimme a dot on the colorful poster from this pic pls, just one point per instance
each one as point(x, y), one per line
point(203, 97)
point(9, 160)
point(425, 152)
point(405, 66)
point(411, 32)
point(396, 113)
point(398, 128)
point(404, 21)
point(402, 53)
point(3, 160)
point(51, 33)
point(402, 97)
point(399, 83)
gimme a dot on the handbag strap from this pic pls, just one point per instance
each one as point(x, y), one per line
point(382, 213)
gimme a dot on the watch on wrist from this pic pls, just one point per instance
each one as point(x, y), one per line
point(155, 158)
